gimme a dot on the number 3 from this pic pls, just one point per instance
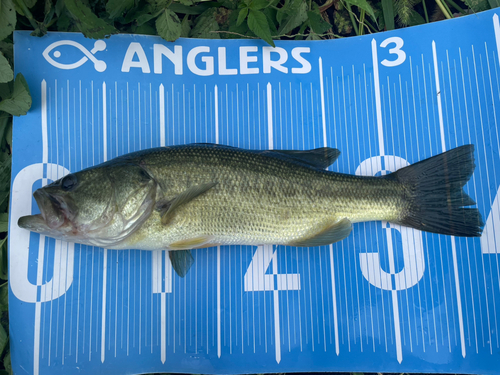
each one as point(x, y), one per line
point(401, 55)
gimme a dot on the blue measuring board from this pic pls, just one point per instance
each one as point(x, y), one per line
point(386, 299)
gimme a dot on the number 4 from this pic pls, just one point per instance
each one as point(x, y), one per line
point(256, 279)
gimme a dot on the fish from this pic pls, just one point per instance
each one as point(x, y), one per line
point(186, 197)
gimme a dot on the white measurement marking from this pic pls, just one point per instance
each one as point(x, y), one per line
point(219, 344)
point(390, 250)
point(41, 245)
point(103, 312)
point(45, 144)
point(105, 255)
point(159, 256)
point(475, 194)
point(496, 27)
point(277, 328)
point(276, 306)
point(332, 266)
point(452, 238)
point(495, 209)
point(378, 104)
point(488, 184)
point(162, 115)
point(163, 328)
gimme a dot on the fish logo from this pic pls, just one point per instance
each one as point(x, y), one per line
point(99, 45)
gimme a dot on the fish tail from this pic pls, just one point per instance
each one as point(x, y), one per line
point(434, 197)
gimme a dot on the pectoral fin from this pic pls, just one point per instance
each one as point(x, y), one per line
point(167, 207)
point(334, 233)
point(181, 260)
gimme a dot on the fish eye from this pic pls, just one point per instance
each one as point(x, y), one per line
point(69, 182)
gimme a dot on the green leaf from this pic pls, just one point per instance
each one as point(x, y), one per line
point(258, 4)
point(87, 22)
point(313, 36)
point(270, 14)
point(117, 8)
point(143, 18)
point(4, 222)
point(4, 124)
point(6, 73)
point(317, 23)
point(293, 16)
point(4, 339)
point(145, 29)
point(257, 22)
point(5, 90)
point(494, 3)
point(4, 181)
point(477, 5)
point(168, 25)
point(415, 19)
point(186, 2)
point(237, 29)
point(243, 13)
point(206, 23)
point(66, 23)
point(7, 18)
point(388, 9)
point(4, 297)
point(193, 10)
point(7, 364)
point(4, 269)
point(185, 27)
point(20, 100)
point(7, 49)
point(59, 7)
point(362, 4)
point(29, 3)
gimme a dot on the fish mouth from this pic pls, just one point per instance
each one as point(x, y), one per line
point(55, 213)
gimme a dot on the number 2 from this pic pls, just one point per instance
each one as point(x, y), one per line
point(401, 55)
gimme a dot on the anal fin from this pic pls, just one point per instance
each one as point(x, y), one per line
point(333, 233)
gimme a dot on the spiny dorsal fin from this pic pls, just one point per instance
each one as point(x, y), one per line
point(167, 207)
point(319, 157)
point(181, 260)
point(333, 233)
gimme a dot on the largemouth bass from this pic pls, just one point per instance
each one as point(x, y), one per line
point(193, 196)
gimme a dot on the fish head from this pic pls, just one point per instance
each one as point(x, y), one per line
point(98, 206)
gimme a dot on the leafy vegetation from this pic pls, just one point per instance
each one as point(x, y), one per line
point(223, 19)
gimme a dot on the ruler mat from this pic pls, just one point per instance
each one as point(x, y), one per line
point(386, 299)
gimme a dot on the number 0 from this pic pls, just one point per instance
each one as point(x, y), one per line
point(401, 55)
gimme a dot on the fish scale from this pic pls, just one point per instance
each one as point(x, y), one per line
point(259, 198)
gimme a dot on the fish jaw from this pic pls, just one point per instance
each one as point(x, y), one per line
point(55, 216)
point(49, 209)
point(37, 224)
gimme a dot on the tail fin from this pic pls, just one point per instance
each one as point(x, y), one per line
point(433, 189)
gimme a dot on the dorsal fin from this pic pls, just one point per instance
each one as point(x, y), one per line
point(319, 157)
